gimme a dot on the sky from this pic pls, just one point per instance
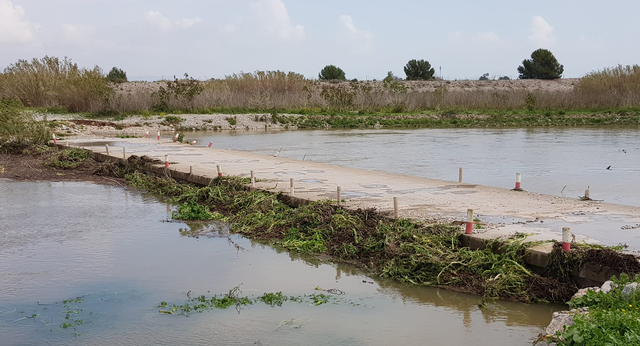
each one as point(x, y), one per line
point(152, 39)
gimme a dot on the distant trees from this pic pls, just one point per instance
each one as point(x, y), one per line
point(484, 77)
point(504, 78)
point(419, 70)
point(542, 65)
point(331, 72)
point(117, 75)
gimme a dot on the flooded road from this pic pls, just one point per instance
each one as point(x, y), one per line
point(556, 161)
point(110, 246)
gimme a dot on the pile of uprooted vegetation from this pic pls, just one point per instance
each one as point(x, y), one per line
point(425, 254)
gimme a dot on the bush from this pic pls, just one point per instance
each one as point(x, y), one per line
point(484, 77)
point(117, 75)
point(419, 70)
point(504, 78)
point(542, 65)
point(331, 72)
point(18, 128)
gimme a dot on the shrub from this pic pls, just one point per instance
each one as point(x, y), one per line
point(117, 75)
point(332, 72)
point(18, 128)
point(419, 70)
point(484, 77)
point(504, 78)
point(542, 65)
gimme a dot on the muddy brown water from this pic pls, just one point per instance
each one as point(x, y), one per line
point(562, 161)
point(110, 246)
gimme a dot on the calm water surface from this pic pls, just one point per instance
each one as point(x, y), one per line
point(558, 161)
point(109, 246)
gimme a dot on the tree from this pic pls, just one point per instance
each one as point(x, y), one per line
point(419, 70)
point(542, 65)
point(484, 77)
point(331, 72)
point(117, 75)
point(504, 78)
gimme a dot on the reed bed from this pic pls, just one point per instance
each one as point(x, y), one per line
point(58, 83)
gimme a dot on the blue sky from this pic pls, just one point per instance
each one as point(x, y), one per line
point(214, 38)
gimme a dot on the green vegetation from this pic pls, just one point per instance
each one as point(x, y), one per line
point(117, 75)
point(331, 72)
point(426, 254)
point(419, 70)
point(18, 128)
point(542, 65)
point(613, 318)
point(233, 121)
point(172, 120)
point(65, 158)
point(233, 299)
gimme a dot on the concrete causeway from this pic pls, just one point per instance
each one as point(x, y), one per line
point(503, 212)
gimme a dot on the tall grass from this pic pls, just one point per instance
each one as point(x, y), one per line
point(618, 85)
point(53, 82)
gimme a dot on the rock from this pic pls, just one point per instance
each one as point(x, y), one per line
point(607, 286)
point(563, 318)
point(628, 288)
point(584, 291)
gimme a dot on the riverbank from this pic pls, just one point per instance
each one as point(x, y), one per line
point(84, 126)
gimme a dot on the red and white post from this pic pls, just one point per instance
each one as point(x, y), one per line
point(158, 135)
point(469, 225)
point(146, 134)
point(55, 141)
point(166, 161)
point(219, 170)
point(210, 144)
point(566, 239)
point(175, 139)
point(518, 181)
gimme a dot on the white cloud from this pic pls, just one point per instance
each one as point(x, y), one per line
point(274, 17)
point(486, 37)
point(163, 23)
point(541, 33)
point(13, 27)
point(364, 38)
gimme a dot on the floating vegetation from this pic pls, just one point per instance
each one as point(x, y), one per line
point(233, 299)
point(68, 314)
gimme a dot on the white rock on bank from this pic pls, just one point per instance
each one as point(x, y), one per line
point(563, 318)
point(584, 291)
point(607, 286)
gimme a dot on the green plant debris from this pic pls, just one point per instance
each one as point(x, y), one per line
point(233, 299)
point(67, 158)
point(424, 254)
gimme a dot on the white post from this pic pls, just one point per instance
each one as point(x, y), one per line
point(253, 180)
point(586, 194)
point(124, 153)
point(339, 195)
point(395, 207)
point(293, 191)
point(107, 146)
point(460, 176)
point(190, 170)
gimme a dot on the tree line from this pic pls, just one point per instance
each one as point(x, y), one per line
point(542, 65)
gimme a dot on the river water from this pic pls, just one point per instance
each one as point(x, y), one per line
point(110, 246)
point(561, 161)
